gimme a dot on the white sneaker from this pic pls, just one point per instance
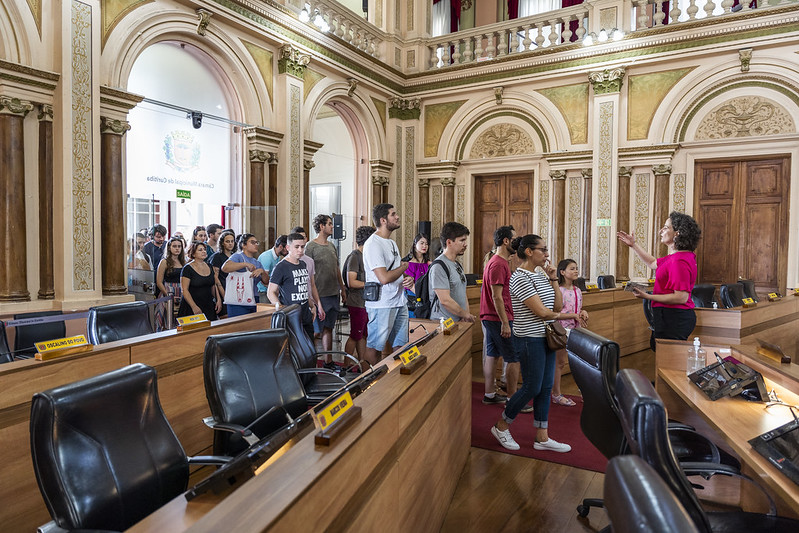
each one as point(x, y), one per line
point(505, 438)
point(551, 446)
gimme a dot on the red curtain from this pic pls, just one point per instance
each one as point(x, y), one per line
point(513, 9)
point(574, 24)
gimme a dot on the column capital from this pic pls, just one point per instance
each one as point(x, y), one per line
point(557, 174)
point(113, 126)
point(45, 113)
point(291, 61)
point(607, 81)
point(448, 181)
point(15, 106)
point(272, 159)
point(625, 172)
point(260, 138)
point(377, 180)
point(116, 103)
point(661, 170)
point(587, 173)
point(308, 164)
point(424, 183)
point(404, 108)
point(258, 156)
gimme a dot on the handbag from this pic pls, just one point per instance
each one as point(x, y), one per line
point(371, 291)
point(556, 336)
point(238, 289)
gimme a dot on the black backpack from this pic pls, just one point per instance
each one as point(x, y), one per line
point(424, 305)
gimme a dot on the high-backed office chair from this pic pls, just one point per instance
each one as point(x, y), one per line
point(594, 362)
point(731, 295)
point(251, 385)
point(606, 282)
point(638, 500)
point(5, 352)
point(749, 288)
point(580, 282)
point(643, 418)
point(706, 292)
point(115, 322)
point(319, 383)
point(697, 301)
point(103, 452)
point(26, 337)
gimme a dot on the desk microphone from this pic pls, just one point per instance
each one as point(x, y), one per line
point(417, 327)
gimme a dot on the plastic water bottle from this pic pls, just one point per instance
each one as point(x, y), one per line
point(715, 305)
point(696, 358)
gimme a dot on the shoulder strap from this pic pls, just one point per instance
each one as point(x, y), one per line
point(444, 266)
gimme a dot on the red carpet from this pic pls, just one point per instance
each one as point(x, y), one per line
point(564, 426)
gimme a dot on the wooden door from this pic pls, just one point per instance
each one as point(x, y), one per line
point(500, 201)
point(742, 208)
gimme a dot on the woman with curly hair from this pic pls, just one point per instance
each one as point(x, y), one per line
point(673, 315)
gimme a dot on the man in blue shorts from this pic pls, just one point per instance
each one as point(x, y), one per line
point(388, 307)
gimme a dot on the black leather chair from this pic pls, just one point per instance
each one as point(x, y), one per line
point(103, 452)
point(116, 322)
point(706, 292)
point(749, 288)
point(594, 362)
point(319, 383)
point(638, 500)
point(580, 282)
point(251, 385)
point(731, 295)
point(643, 417)
point(5, 352)
point(606, 282)
point(26, 337)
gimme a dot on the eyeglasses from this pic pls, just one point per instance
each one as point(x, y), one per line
point(256, 243)
point(544, 250)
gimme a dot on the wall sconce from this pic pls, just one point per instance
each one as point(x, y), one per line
point(604, 35)
point(316, 19)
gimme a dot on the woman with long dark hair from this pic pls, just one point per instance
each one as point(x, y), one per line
point(673, 315)
point(227, 244)
point(536, 300)
point(198, 282)
point(167, 278)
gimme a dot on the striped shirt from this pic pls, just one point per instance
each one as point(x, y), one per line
point(523, 285)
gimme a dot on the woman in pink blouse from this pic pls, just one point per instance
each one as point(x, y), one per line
point(572, 303)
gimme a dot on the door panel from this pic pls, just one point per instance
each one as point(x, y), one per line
point(759, 255)
point(717, 254)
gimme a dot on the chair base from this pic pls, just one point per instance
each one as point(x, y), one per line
point(583, 508)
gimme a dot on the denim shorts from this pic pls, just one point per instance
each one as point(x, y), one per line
point(497, 345)
point(387, 324)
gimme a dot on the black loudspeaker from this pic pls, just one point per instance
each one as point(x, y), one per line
point(338, 227)
point(425, 227)
point(365, 6)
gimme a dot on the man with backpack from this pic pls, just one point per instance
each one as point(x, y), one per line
point(447, 281)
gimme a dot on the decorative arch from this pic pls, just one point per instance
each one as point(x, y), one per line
point(17, 28)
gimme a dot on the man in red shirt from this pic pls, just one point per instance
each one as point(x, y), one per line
point(496, 315)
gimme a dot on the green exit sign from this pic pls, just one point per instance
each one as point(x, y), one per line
point(183, 194)
point(603, 222)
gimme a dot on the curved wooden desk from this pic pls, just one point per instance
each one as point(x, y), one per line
point(394, 470)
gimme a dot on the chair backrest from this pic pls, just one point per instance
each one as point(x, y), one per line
point(645, 424)
point(748, 286)
point(580, 282)
point(606, 282)
point(116, 322)
point(697, 301)
point(103, 452)
point(731, 295)
point(5, 352)
point(638, 500)
point(303, 350)
point(25, 337)
point(648, 312)
point(706, 292)
point(246, 375)
point(594, 362)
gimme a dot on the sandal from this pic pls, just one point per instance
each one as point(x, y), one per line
point(563, 400)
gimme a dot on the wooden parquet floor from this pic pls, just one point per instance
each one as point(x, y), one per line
point(502, 492)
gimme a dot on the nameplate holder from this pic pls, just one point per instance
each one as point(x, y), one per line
point(449, 326)
point(774, 354)
point(796, 291)
point(749, 302)
point(651, 281)
point(773, 297)
point(335, 418)
point(60, 347)
point(592, 287)
point(411, 360)
point(188, 323)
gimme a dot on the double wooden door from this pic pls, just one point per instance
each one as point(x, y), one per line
point(500, 201)
point(742, 208)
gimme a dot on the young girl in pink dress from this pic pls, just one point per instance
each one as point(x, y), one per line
point(572, 303)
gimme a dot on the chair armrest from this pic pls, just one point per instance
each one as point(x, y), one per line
point(242, 431)
point(302, 371)
point(708, 470)
point(51, 527)
point(674, 424)
point(345, 355)
point(215, 460)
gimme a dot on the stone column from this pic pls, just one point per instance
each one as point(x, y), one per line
point(261, 217)
point(112, 205)
point(448, 199)
point(660, 210)
point(377, 190)
point(585, 256)
point(271, 200)
point(557, 239)
point(46, 279)
point(424, 199)
point(256, 223)
point(307, 164)
point(380, 172)
point(623, 223)
point(13, 265)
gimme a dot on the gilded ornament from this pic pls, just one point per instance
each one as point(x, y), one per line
point(745, 56)
point(607, 81)
point(15, 106)
point(205, 18)
point(113, 126)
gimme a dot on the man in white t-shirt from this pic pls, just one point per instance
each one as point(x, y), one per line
point(388, 315)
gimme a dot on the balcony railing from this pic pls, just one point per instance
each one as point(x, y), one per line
point(651, 13)
point(331, 17)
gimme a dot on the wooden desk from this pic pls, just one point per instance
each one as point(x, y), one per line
point(733, 420)
point(394, 470)
point(176, 357)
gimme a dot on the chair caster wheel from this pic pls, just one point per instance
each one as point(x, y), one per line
point(582, 510)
